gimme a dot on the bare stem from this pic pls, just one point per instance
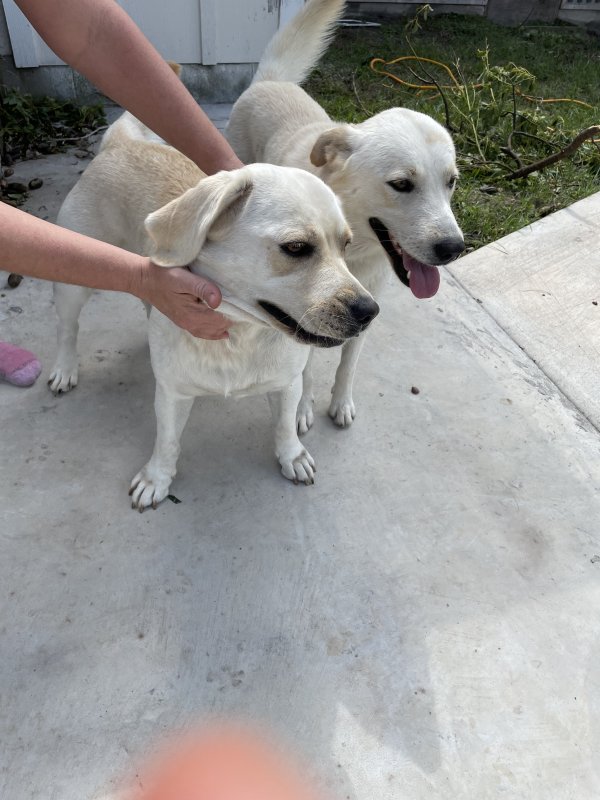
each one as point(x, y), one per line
point(572, 147)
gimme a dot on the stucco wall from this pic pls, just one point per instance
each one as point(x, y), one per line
point(222, 83)
point(396, 7)
point(520, 12)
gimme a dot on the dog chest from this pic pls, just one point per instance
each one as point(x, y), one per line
point(252, 361)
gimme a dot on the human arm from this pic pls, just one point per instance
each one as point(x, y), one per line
point(98, 39)
point(33, 247)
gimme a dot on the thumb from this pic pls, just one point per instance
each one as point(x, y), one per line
point(206, 291)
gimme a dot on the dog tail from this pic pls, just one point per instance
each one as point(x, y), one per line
point(295, 49)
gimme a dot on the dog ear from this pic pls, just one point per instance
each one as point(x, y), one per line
point(180, 229)
point(175, 67)
point(331, 143)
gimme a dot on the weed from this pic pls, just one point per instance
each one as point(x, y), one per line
point(44, 124)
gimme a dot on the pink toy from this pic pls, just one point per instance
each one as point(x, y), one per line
point(18, 366)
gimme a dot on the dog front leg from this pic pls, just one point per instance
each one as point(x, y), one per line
point(151, 484)
point(305, 414)
point(341, 408)
point(296, 462)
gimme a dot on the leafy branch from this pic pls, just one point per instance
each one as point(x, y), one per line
point(489, 113)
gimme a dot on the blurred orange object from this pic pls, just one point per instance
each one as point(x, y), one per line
point(223, 763)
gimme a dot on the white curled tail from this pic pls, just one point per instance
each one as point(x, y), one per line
point(296, 49)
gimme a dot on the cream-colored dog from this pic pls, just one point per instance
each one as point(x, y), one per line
point(272, 238)
point(394, 173)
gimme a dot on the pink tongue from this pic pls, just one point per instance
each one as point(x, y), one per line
point(424, 279)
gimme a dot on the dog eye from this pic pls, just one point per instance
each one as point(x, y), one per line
point(403, 185)
point(452, 182)
point(297, 249)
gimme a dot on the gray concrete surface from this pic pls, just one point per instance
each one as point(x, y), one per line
point(542, 284)
point(422, 623)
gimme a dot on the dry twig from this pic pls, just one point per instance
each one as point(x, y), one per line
point(588, 133)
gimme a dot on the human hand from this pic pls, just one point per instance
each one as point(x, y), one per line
point(223, 764)
point(187, 299)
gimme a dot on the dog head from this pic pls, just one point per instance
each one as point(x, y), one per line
point(273, 238)
point(395, 174)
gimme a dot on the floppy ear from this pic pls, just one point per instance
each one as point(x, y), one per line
point(331, 143)
point(175, 67)
point(179, 229)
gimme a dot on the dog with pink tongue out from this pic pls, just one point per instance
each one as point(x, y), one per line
point(394, 173)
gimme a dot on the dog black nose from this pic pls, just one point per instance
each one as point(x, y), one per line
point(364, 310)
point(448, 249)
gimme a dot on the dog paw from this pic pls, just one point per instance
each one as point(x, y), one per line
point(63, 378)
point(148, 489)
point(342, 412)
point(298, 466)
point(305, 415)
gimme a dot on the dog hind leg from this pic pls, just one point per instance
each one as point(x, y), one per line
point(341, 409)
point(305, 414)
point(68, 301)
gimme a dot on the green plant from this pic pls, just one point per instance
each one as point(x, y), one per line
point(421, 15)
point(490, 113)
point(44, 124)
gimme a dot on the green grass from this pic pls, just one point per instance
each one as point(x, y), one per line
point(565, 62)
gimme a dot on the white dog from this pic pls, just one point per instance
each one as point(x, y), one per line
point(273, 238)
point(394, 173)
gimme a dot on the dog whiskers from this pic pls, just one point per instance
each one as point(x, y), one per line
point(315, 317)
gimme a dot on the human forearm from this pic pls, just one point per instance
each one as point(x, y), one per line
point(30, 246)
point(97, 38)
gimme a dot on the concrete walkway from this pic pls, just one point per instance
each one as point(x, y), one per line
point(542, 284)
point(422, 623)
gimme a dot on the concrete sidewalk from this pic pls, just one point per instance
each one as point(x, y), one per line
point(423, 622)
point(542, 284)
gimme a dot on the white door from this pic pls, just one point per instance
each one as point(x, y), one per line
point(187, 31)
point(236, 31)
